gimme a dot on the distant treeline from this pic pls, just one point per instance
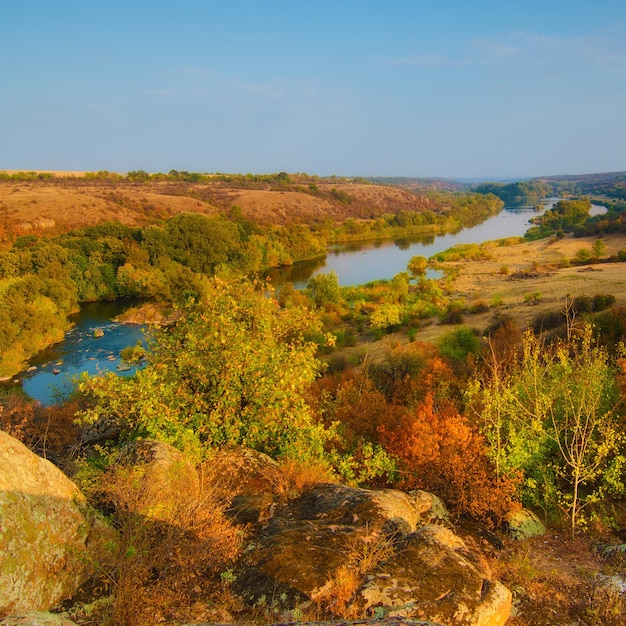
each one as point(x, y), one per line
point(410, 182)
point(611, 186)
point(280, 178)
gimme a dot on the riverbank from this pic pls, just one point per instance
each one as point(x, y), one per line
point(520, 281)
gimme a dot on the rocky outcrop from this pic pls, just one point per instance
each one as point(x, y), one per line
point(36, 619)
point(166, 480)
point(433, 574)
point(249, 481)
point(50, 539)
point(383, 553)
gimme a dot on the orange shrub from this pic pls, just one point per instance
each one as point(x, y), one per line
point(440, 451)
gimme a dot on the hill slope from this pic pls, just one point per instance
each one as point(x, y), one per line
point(68, 202)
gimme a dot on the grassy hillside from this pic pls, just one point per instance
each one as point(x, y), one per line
point(46, 201)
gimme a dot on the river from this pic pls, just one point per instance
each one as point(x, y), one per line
point(355, 263)
point(82, 350)
point(361, 262)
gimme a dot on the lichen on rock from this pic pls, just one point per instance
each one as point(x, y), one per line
point(50, 539)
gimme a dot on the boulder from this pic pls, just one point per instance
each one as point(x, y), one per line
point(36, 619)
point(434, 575)
point(249, 483)
point(523, 524)
point(50, 538)
point(166, 480)
point(378, 551)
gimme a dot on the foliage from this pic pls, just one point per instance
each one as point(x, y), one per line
point(518, 193)
point(49, 431)
point(458, 344)
point(440, 451)
point(406, 407)
point(170, 551)
point(232, 371)
point(554, 414)
point(323, 289)
point(386, 316)
point(565, 216)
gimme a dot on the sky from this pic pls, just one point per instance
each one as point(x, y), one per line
point(455, 89)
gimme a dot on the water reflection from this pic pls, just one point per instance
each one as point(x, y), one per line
point(357, 263)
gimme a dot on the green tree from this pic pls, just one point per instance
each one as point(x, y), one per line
point(554, 415)
point(386, 315)
point(324, 288)
point(202, 243)
point(598, 248)
point(233, 370)
point(417, 266)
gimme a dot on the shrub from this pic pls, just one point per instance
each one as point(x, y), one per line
point(439, 451)
point(169, 559)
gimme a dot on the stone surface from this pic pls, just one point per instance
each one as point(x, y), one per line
point(307, 542)
point(403, 565)
point(249, 481)
point(434, 575)
point(36, 619)
point(523, 524)
point(50, 539)
point(166, 479)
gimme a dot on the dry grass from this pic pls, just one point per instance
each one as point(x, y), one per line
point(365, 553)
point(540, 263)
point(296, 477)
point(167, 569)
point(543, 288)
point(557, 580)
point(59, 204)
point(49, 431)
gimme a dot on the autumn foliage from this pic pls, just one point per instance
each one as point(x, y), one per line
point(440, 451)
point(407, 405)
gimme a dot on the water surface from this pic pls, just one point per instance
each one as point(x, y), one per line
point(82, 351)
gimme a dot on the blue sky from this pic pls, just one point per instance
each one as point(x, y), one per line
point(454, 89)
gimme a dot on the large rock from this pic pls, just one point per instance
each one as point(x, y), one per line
point(434, 575)
point(50, 539)
point(36, 619)
point(523, 524)
point(250, 482)
point(166, 480)
point(379, 551)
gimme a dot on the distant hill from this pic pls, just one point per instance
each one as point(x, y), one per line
point(422, 184)
point(607, 185)
point(41, 201)
point(601, 176)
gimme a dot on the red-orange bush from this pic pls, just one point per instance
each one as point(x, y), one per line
point(440, 451)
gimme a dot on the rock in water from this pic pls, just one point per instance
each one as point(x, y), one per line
point(50, 538)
